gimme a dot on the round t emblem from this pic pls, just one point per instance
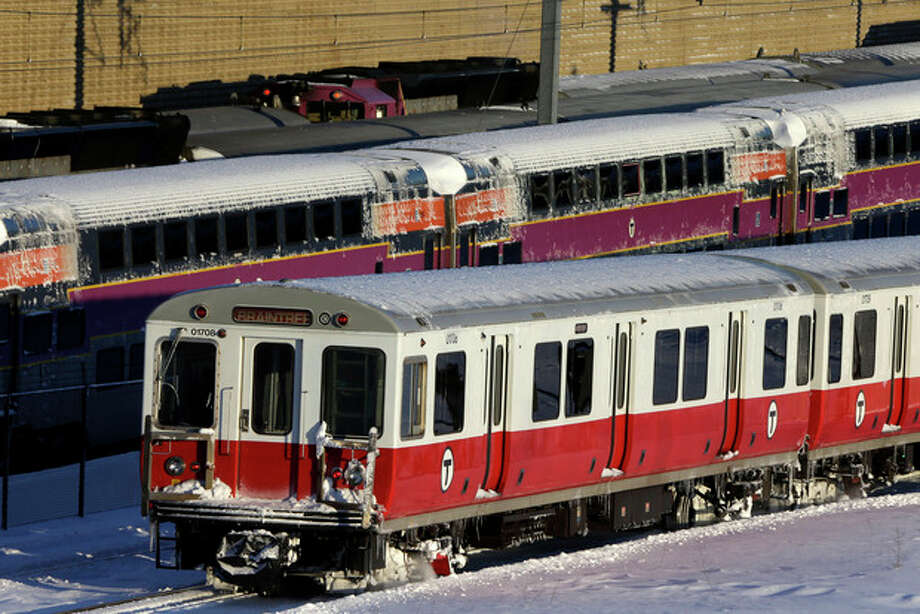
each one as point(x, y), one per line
point(772, 420)
point(860, 408)
point(447, 469)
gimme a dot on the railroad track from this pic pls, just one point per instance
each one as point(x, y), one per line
point(188, 597)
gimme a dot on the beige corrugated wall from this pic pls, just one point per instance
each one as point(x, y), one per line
point(132, 47)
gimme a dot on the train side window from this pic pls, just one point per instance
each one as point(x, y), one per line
point(272, 388)
point(664, 380)
point(841, 200)
point(610, 182)
point(630, 179)
point(882, 143)
point(547, 371)
point(324, 221)
point(695, 177)
point(715, 167)
point(579, 377)
point(71, 328)
point(804, 189)
point(834, 347)
point(822, 207)
point(899, 339)
point(864, 329)
point(562, 189)
point(189, 369)
point(111, 249)
point(352, 210)
point(236, 232)
point(266, 228)
point(651, 176)
point(175, 241)
point(414, 388)
point(696, 362)
point(899, 141)
point(774, 353)
point(295, 224)
point(674, 173)
point(143, 246)
point(353, 390)
point(136, 361)
point(449, 392)
point(539, 194)
point(498, 384)
point(206, 243)
point(36, 333)
point(110, 365)
point(586, 185)
point(803, 352)
point(5, 322)
point(774, 199)
point(622, 356)
point(915, 136)
point(862, 142)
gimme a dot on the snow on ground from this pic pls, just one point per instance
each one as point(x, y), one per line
point(850, 556)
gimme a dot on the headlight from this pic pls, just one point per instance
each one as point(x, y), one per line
point(174, 466)
point(354, 473)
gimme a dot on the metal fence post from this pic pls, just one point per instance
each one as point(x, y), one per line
point(84, 397)
point(7, 455)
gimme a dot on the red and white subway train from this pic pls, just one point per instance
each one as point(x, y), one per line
point(341, 429)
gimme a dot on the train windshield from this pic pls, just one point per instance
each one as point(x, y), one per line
point(185, 382)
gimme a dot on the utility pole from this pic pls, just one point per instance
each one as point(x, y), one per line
point(547, 95)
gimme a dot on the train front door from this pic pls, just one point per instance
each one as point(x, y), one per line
point(900, 342)
point(733, 378)
point(496, 395)
point(269, 418)
point(620, 402)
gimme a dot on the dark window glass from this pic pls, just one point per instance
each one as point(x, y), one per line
point(674, 172)
point(579, 376)
point(899, 340)
point(324, 221)
point(71, 329)
point(498, 384)
point(899, 141)
point(415, 381)
point(586, 185)
point(352, 211)
point(449, 392)
point(651, 176)
point(913, 218)
point(547, 371)
point(539, 194)
point(295, 224)
point(864, 327)
point(111, 249)
point(266, 229)
point(696, 362)
point(186, 379)
point(915, 136)
point(734, 348)
point(863, 144)
point(667, 351)
point(136, 361)
point(206, 236)
point(562, 188)
point(36, 333)
point(143, 246)
point(822, 205)
point(353, 380)
point(803, 353)
point(175, 241)
point(630, 179)
point(694, 170)
point(882, 144)
point(237, 232)
point(488, 255)
point(610, 182)
point(715, 167)
point(5, 322)
point(774, 353)
point(110, 365)
point(512, 252)
point(834, 348)
point(804, 189)
point(736, 220)
point(272, 388)
point(774, 200)
point(840, 202)
point(622, 357)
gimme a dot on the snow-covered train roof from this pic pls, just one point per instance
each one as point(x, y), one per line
point(541, 148)
point(122, 197)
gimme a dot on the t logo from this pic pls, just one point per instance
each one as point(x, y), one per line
point(447, 469)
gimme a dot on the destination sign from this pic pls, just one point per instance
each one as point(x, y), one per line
point(267, 315)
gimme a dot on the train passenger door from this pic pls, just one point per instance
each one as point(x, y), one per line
point(733, 373)
point(269, 418)
point(496, 411)
point(899, 353)
point(620, 393)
